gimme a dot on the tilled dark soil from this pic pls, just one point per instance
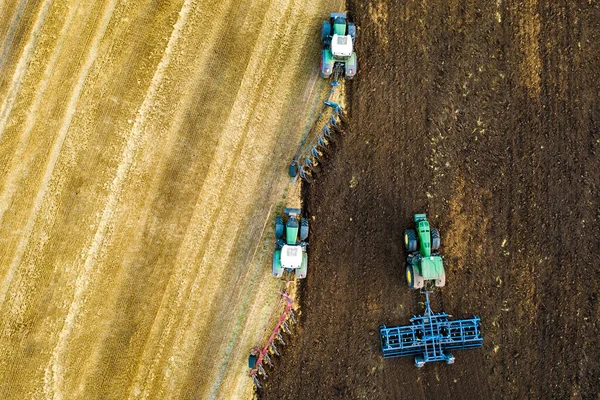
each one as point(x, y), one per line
point(486, 116)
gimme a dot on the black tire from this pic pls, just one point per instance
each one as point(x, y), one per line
point(303, 229)
point(410, 276)
point(435, 239)
point(352, 30)
point(325, 31)
point(410, 240)
point(279, 227)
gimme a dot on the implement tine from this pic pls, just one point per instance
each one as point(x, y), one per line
point(262, 371)
point(280, 338)
point(286, 328)
point(315, 153)
point(274, 349)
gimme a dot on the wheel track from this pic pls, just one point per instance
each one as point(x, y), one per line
point(54, 369)
point(210, 239)
point(21, 68)
point(18, 160)
point(154, 162)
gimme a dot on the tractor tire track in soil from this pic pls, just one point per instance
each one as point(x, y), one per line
point(486, 116)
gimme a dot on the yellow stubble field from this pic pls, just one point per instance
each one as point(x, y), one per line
point(143, 152)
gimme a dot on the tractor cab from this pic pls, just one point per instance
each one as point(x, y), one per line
point(291, 256)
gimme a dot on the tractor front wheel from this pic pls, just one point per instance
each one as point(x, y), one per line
point(279, 227)
point(325, 31)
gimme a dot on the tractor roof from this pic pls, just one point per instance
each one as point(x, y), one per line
point(341, 45)
point(291, 256)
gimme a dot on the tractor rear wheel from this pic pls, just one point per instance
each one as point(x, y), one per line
point(303, 229)
point(325, 30)
point(279, 227)
point(435, 239)
point(277, 268)
point(410, 276)
point(410, 240)
point(352, 30)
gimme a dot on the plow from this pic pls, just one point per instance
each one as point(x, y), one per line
point(315, 141)
point(261, 355)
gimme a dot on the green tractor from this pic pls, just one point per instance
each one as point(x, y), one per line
point(423, 264)
point(290, 244)
point(337, 54)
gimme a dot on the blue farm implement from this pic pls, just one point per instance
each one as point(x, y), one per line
point(316, 139)
point(430, 337)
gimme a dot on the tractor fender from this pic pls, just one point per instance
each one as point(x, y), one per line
point(327, 63)
point(301, 272)
point(441, 281)
point(351, 65)
point(418, 278)
point(277, 268)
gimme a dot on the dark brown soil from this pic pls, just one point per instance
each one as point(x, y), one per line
point(486, 116)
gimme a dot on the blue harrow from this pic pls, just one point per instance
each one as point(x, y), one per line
point(430, 337)
point(310, 151)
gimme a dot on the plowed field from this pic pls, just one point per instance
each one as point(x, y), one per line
point(485, 115)
point(143, 148)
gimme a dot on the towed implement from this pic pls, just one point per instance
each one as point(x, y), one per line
point(430, 337)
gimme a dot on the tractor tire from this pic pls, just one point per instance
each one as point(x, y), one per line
point(325, 31)
point(352, 30)
point(410, 276)
point(410, 240)
point(435, 239)
point(303, 229)
point(279, 227)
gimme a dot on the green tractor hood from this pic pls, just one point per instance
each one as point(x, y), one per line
point(432, 267)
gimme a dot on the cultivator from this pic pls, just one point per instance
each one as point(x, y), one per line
point(311, 148)
point(261, 355)
point(430, 337)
